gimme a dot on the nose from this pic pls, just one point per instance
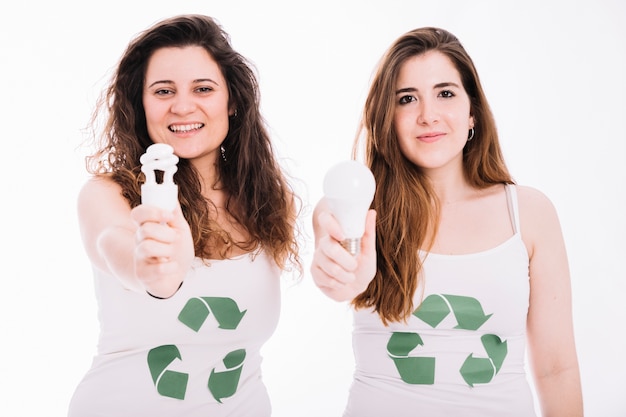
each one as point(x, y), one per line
point(428, 113)
point(183, 104)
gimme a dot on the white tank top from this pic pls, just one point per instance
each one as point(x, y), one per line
point(462, 352)
point(194, 354)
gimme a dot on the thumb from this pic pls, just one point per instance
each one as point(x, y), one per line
point(178, 218)
point(368, 241)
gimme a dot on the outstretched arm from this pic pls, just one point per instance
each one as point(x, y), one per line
point(146, 248)
point(335, 271)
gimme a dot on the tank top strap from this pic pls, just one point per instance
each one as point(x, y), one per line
point(511, 197)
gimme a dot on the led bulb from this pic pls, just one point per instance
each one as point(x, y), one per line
point(349, 190)
point(159, 157)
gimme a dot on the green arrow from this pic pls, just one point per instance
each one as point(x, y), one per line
point(432, 310)
point(482, 370)
point(412, 370)
point(467, 311)
point(477, 370)
point(416, 370)
point(225, 310)
point(496, 349)
point(401, 343)
point(168, 383)
point(224, 384)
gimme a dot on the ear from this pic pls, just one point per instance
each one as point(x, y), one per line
point(471, 122)
point(232, 109)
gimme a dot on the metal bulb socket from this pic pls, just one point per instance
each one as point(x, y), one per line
point(352, 245)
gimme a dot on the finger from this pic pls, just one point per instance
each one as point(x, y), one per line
point(177, 218)
point(337, 254)
point(153, 250)
point(329, 224)
point(157, 260)
point(323, 279)
point(155, 231)
point(327, 271)
point(146, 213)
point(152, 270)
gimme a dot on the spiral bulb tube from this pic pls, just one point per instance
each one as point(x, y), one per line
point(159, 157)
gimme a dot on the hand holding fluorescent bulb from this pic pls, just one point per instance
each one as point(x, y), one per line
point(349, 188)
point(159, 157)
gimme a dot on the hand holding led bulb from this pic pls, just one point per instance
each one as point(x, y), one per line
point(349, 188)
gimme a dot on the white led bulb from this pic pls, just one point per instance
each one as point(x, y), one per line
point(349, 188)
point(159, 157)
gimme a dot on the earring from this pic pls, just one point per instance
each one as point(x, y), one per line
point(470, 135)
point(223, 152)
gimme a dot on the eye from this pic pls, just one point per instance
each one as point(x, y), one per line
point(446, 94)
point(204, 89)
point(163, 92)
point(406, 99)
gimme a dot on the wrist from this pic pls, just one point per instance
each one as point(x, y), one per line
point(163, 293)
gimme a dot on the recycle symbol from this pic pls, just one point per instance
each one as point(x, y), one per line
point(469, 315)
point(221, 384)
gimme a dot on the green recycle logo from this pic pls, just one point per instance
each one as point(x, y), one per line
point(469, 315)
point(193, 315)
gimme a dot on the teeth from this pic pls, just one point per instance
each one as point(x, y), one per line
point(186, 128)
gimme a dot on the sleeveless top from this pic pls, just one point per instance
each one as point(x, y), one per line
point(194, 354)
point(462, 351)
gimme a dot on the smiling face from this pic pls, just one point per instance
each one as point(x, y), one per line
point(432, 113)
point(185, 98)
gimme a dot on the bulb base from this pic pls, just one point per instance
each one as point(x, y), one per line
point(164, 196)
point(352, 245)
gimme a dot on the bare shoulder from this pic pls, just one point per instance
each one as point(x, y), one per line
point(538, 217)
point(98, 184)
point(100, 193)
point(98, 187)
point(533, 202)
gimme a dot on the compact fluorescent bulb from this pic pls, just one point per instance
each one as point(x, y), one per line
point(159, 157)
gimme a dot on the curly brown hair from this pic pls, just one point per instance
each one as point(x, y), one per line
point(258, 194)
point(407, 207)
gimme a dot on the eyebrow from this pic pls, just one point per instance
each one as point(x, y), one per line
point(199, 80)
point(438, 85)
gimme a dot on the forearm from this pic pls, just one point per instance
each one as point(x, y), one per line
point(340, 292)
point(160, 278)
point(560, 393)
point(115, 255)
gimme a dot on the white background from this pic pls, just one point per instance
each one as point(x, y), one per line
point(555, 75)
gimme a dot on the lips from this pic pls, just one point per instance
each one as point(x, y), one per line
point(184, 128)
point(431, 137)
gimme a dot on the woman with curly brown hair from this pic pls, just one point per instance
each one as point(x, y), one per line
point(186, 297)
point(460, 268)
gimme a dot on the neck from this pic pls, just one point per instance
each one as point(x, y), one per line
point(450, 187)
point(209, 177)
